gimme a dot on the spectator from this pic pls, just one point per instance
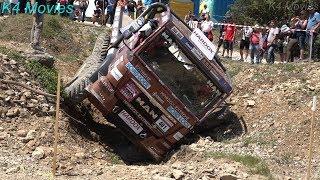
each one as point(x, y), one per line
point(204, 11)
point(188, 17)
point(264, 47)
point(13, 9)
point(109, 11)
point(283, 38)
point(256, 43)
point(83, 8)
point(298, 36)
point(313, 27)
point(131, 6)
point(245, 41)
point(1, 9)
point(271, 42)
point(62, 3)
point(37, 27)
point(221, 36)
point(77, 12)
point(140, 8)
point(122, 3)
point(230, 31)
point(206, 27)
point(22, 5)
point(96, 14)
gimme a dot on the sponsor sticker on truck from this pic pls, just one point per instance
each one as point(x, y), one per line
point(203, 43)
point(133, 124)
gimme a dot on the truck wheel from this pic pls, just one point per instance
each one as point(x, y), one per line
point(75, 89)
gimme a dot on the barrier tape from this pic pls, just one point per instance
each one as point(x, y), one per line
point(194, 24)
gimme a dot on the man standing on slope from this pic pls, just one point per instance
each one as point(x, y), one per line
point(37, 26)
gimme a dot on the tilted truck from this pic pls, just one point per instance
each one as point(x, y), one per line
point(155, 79)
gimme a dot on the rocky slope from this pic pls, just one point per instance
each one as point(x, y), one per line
point(268, 135)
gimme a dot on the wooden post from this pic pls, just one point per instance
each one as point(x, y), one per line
point(310, 46)
point(314, 107)
point(54, 160)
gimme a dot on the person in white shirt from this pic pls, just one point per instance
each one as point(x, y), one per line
point(206, 27)
point(245, 41)
point(271, 42)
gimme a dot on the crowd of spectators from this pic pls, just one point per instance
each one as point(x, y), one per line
point(290, 39)
point(102, 13)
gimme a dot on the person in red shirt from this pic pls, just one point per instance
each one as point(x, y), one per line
point(230, 32)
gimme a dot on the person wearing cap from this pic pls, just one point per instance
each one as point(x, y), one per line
point(313, 26)
point(283, 39)
point(256, 43)
point(271, 41)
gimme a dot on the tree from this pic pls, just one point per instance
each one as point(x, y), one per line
point(263, 11)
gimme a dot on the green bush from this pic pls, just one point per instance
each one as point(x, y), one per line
point(47, 77)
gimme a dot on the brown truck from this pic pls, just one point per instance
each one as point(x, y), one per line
point(155, 79)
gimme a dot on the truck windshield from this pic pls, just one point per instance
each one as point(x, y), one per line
point(176, 71)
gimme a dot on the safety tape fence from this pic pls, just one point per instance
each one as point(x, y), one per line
point(194, 24)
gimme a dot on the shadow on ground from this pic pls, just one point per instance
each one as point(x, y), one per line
point(82, 122)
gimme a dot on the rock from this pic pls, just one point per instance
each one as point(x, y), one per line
point(228, 177)
point(177, 174)
point(1, 129)
point(43, 58)
point(27, 94)
point(13, 170)
point(261, 91)
point(4, 135)
point(30, 105)
point(1, 73)
point(23, 99)
point(34, 101)
point(80, 155)
point(31, 135)
point(13, 112)
point(5, 57)
point(24, 74)
point(7, 99)
point(22, 133)
point(251, 103)
point(99, 172)
point(12, 62)
point(38, 153)
point(3, 110)
point(10, 92)
point(86, 171)
point(159, 177)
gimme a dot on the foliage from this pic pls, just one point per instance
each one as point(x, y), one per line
point(262, 11)
point(47, 77)
point(255, 164)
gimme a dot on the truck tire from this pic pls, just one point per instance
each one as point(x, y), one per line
point(75, 89)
